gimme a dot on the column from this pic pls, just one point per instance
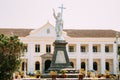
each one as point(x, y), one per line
point(115, 60)
point(78, 55)
point(103, 59)
point(41, 64)
point(90, 60)
point(90, 64)
point(90, 48)
point(102, 65)
point(42, 48)
point(78, 48)
point(31, 58)
point(78, 63)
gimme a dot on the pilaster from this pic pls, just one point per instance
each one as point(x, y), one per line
point(78, 48)
point(78, 62)
point(30, 58)
point(102, 60)
point(90, 60)
point(90, 63)
point(115, 60)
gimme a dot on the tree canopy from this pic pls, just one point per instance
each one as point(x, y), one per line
point(10, 51)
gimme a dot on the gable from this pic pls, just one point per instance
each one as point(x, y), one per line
point(46, 30)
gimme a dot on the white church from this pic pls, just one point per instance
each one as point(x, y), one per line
point(86, 49)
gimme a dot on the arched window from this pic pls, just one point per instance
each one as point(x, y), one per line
point(37, 66)
point(24, 66)
point(107, 66)
point(72, 64)
point(83, 65)
point(47, 64)
point(95, 66)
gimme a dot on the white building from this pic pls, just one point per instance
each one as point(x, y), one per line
point(95, 49)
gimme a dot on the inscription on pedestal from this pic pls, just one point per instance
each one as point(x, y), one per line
point(60, 57)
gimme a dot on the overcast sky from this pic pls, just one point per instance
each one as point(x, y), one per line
point(79, 14)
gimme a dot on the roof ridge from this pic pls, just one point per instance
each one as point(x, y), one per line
point(90, 29)
point(17, 28)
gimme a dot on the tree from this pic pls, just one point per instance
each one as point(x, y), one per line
point(119, 56)
point(118, 60)
point(10, 51)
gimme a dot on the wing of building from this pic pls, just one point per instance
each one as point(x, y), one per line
point(95, 49)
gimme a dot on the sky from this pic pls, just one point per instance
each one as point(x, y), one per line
point(79, 14)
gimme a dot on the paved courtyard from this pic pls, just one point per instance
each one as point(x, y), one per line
point(64, 79)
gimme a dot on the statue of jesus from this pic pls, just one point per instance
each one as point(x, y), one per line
point(59, 25)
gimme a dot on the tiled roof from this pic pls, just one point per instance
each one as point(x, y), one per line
point(18, 32)
point(70, 32)
point(91, 33)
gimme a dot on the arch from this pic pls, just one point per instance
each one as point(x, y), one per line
point(95, 66)
point(47, 64)
point(37, 65)
point(107, 65)
point(83, 65)
point(23, 66)
point(72, 64)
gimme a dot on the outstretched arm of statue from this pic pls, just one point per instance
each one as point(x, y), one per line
point(54, 14)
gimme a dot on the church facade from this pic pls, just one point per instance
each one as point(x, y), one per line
point(86, 49)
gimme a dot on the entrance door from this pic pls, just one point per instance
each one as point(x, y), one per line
point(47, 64)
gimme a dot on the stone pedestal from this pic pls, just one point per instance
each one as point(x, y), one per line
point(60, 58)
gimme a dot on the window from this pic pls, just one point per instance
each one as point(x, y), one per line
point(37, 48)
point(83, 49)
point(25, 48)
point(107, 66)
point(47, 64)
point(71, 48)
point(83, 65)
point(72, 64)
point(37, 66)
point(109, 48)
point(95, 49)
point(48, 31)
point(24, 66)
point(95, 66)
point(48, 48)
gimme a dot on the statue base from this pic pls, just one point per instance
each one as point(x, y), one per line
point(60, 38)
point(60, 58)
